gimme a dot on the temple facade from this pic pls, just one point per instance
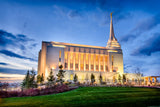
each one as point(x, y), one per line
point(82, 60)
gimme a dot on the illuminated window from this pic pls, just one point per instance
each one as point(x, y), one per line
point(101, 67)
point(97, 67)
point(92, 67)
point(81, 57)
point(106, 68)
point(71, 56)
point(92, 56)
point(87, 67)
point(96, 58)
point(66, 55)
point(71, 65)
point(82, 66)
point(86, 57)
point(101, 58)
point(66, 65)
point(76, 66)
point(76, 56)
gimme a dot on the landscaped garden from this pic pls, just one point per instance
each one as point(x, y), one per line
point(92, 96)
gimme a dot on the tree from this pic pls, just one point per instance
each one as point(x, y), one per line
point(92, 78)
point(124, 78)
point(138, 75)
point(75, 78)
point(42, 78)
point(100, 79)
point(38, 78)
point(29, 81)
point(25, 83)
point(60, 75)
point(51, 79)
point(119, 78)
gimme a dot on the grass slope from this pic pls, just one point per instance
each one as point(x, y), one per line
point(92, 96)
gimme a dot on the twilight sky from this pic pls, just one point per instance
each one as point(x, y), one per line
point(24, 24)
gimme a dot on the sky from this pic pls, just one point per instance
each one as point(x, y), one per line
point(24, 24)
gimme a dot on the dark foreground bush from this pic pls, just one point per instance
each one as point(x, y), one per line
point(35, 92)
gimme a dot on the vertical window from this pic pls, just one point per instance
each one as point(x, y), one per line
point(101, 58)
point(92, 56)
point(76, 56)
point(106, 68)
point(96, 58)
point(82, 66)
point(66, 55)
point(71, 65)
point(92, 67)
point(66, 65)
point(87, 67)
point(97, 67)
point(76, 66)
point(101, 67)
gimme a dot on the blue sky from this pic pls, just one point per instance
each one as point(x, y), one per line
point(24, 24)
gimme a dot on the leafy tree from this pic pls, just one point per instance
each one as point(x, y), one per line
point(50, 78)
point(100, 79)
point(138, 75)
point(92, 78)
point(60, 75)
point(119, 78)
point(29, 81)
point(75, 78)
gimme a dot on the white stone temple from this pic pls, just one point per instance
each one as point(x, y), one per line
point(83, 60)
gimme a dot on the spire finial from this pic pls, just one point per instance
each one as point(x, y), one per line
point(111, 14)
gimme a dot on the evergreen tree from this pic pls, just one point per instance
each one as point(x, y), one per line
point(32, 81)
point(38, 78)
point(42, 78)
point(60, 75)
point(29, 81)
point(119, 78)
point(124, 78)
point(100, 79)
point(51, 79)
point(92, 78)
point(75, 78)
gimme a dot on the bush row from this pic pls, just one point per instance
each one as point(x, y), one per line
point(35, 92)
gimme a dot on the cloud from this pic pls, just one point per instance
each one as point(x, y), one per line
point(12, 54)
point(2, 63)
point(141, 27)
point(151, 45)
point(147, 24)
point(12, 71)
point(19, 43)
point(74, 13)
point(127, 38)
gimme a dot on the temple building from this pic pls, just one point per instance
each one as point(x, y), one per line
point(82, 60)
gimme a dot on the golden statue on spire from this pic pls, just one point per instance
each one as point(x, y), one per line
point(111, 14)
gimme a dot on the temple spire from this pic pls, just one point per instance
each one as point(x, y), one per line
point(112, 41)
point(111, 36)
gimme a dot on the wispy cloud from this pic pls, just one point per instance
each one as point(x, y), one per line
point(141, 27)
point(2, 63)
point(12, 54)
point(150, 46)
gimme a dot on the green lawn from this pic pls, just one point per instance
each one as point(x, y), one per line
point(92, 96)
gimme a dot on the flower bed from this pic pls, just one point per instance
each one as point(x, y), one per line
point(35, 92)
